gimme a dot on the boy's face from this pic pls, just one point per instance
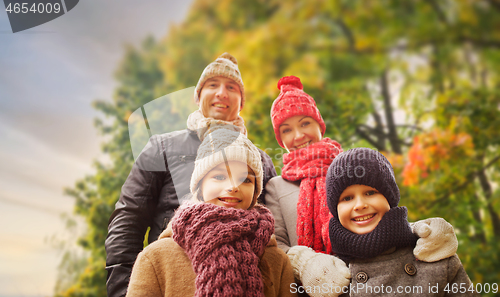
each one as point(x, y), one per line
point(220, 98)
point(299, 132)
point(361, 208)
point(229, 188)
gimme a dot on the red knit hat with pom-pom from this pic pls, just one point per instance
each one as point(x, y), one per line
point(293, 101)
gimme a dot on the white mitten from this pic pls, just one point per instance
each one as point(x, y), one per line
point(437, 240)
point(317, 270)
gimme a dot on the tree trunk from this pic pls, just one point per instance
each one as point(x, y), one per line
point(479, 235)
point(485, 185)
point(393, 134)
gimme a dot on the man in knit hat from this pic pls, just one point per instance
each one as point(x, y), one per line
point(161, 174)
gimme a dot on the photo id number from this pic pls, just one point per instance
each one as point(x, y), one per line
point(34, 8)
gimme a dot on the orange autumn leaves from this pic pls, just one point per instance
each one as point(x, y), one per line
point(435, 150)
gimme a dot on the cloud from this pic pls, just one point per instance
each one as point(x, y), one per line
point(28, 262)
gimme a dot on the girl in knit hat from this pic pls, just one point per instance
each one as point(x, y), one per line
point(371, 233)
point(297, 199)
point(224, 246)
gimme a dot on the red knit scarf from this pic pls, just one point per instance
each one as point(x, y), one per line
point(224, 246)
point(310, 165)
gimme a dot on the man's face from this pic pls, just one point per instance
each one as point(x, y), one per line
point(220, 98)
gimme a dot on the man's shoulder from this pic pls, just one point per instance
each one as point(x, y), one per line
point(178, 140)
point(268, 165)
point(263, 153)
point(179, 134)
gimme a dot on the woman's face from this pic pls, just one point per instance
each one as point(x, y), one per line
point(230, 184)
point(299, 131)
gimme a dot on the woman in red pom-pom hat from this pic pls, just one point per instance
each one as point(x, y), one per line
point(297, 199)
point(299, 128)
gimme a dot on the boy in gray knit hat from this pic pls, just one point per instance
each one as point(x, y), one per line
point(371, 233)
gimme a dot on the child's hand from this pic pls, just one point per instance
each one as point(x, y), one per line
point(437, 240)
point(317, 269)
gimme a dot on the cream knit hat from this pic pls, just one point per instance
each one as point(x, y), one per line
point(221, 145)
point(226, 66)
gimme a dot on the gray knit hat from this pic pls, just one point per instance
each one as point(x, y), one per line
point(222, 145)
point(360, 166)
point(226, 66)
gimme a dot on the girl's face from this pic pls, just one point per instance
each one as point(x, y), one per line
point(299, 131)
point(229, 188)
point(361, 208)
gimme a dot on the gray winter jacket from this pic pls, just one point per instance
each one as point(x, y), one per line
point(281, 199)
point(400, 274)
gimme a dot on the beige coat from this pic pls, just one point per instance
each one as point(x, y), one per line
point(281, 199)
point(164, 269)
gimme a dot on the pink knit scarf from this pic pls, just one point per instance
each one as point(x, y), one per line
point(310, 165)
point(224, 246)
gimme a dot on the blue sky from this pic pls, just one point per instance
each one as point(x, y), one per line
point(49, 75)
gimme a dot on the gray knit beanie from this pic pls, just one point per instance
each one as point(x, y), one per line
point(360, 166)
point(223, 144)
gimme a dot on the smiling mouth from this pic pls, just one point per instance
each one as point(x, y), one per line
point(229, 200)
point(220, 105)
point(363, 218)
point(303, 145)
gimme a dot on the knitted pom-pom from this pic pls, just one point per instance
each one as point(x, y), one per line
point(229, 57)
point(290, 80)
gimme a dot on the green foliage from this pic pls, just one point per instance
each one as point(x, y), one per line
point(385, 74)
point(141, 81)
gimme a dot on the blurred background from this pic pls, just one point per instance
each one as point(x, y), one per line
point(49, 77)
point(417, 80)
